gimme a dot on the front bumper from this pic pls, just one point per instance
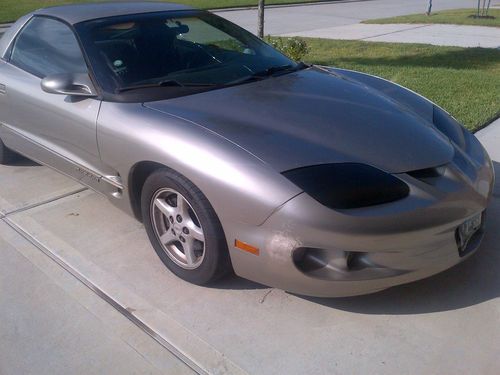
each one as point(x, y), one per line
point(307, 248)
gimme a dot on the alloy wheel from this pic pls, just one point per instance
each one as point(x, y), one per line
point(177, 228)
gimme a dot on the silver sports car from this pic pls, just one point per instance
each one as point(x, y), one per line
point(319, 181)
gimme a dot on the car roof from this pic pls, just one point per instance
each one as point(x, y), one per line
point(76, 13)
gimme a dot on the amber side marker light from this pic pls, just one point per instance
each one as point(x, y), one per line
point(246, 247)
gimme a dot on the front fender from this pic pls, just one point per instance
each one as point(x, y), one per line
point(240, 187)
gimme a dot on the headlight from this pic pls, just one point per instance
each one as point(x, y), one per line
point(348, 185)
point(449, 127)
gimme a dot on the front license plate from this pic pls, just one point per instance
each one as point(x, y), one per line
point(466, 230)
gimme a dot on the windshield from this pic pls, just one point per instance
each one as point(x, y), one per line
point(170, 54)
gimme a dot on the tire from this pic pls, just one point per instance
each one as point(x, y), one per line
point(6, 155)
point(207, 260)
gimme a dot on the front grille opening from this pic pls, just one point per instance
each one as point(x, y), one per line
point(311, 259)
point(356, 261)
point(422, 174)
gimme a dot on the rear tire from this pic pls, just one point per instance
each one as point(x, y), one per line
point(184, 228)
point(6, 155)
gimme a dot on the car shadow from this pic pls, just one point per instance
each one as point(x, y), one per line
point(474, 281)
point(234, 282)
point(22, 161)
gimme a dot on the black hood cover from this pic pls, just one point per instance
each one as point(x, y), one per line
point(315, 116)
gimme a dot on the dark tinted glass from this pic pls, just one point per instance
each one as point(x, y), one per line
point(46, 46)
point(188, 49)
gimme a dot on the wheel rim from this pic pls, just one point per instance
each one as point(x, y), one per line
point(177, 228)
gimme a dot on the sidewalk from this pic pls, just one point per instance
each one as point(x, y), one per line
point(440, 35)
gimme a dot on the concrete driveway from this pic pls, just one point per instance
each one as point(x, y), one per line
point(446, 324)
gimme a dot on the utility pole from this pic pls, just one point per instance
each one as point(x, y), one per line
point(429, 9)
point(260, 30)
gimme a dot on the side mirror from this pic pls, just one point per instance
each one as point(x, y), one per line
point(74, 84)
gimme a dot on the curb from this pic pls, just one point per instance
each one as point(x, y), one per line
point(487, 123)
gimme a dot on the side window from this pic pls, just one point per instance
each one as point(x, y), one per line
point(46, 46)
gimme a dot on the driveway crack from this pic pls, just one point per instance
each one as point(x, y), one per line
point(263, 299)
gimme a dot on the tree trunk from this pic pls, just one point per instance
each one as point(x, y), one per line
point(260, 30)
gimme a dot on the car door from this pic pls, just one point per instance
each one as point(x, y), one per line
point(57, 130)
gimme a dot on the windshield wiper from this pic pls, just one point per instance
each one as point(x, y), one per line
point(269, 72)
point(273, 70)
point(281, 68)
point(167, 83)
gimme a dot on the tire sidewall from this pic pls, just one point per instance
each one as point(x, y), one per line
point(215, 261)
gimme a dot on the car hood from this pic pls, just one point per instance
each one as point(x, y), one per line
point(314, 116)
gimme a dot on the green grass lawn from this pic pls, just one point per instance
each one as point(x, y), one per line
point(464, 81)
point(10, 10)
point(456, 17)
